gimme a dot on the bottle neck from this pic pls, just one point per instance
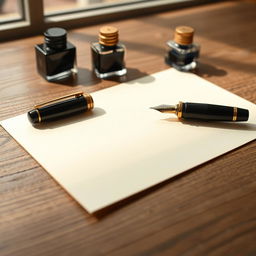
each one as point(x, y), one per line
point(184, 46)
point(107, 47)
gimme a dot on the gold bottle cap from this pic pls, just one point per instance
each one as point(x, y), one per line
point(108, 36)
point(184, 35)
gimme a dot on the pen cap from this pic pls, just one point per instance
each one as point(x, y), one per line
point(59, 108)
point(242, 114)
point(33, 116)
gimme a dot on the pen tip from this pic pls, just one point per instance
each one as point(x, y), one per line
point(164, 108)
point(156, 108)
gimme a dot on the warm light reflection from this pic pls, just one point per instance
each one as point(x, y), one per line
point(65, 5)
point(10, 10)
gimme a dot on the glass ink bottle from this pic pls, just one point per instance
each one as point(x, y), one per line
point(182, 52)
point(56, 57)
point(108, 54)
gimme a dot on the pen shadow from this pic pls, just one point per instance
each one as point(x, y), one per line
point(217, 124)
point(96, 112)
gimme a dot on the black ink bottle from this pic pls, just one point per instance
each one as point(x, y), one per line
point(56, 57)
point(182, 52)
point(108, 54)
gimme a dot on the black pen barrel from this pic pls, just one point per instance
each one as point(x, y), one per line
point(58, 110)
point(212, 112)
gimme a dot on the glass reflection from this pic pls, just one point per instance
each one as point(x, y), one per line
point(10, 10)
point(67, 5)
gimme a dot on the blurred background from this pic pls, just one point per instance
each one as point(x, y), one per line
point(11, 8)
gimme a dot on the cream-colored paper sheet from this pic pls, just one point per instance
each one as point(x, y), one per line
point(124, 147)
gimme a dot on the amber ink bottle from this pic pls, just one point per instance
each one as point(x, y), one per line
point(108, 54)
point(56, 57)
point(182, 52)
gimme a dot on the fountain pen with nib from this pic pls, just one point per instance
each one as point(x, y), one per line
point(206, 112)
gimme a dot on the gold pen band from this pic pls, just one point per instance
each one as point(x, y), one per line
point(179, 109)
point(89, 100)
point(39, 116)
point(78, 94)
point(234, 114)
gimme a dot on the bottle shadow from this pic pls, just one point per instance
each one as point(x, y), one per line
point(104, 212)
point(84, 77)
point(132, 74)
point(207, 70)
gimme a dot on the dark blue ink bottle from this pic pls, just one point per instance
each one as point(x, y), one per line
point(182, 52)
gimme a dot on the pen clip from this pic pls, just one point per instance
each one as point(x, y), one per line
point(76, 95)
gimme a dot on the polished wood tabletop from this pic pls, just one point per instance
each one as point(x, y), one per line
point(209, 210)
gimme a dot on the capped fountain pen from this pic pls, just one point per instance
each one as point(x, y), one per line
point(206, 112)
point(61, 107)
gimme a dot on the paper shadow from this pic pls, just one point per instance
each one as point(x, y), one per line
point(100, 214)
point(216, 124)
point(83, 77)
point(104, 212)
point(96, 112)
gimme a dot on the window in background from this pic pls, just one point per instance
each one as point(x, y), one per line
point(19, 18)
point(11, 10)
point(60, 5)
point(51, 7)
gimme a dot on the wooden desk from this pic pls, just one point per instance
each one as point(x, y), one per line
point(210, 210)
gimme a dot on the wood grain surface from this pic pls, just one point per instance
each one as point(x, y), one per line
point(209, 210)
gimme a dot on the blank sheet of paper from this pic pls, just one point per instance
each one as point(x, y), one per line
point(123, 146)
